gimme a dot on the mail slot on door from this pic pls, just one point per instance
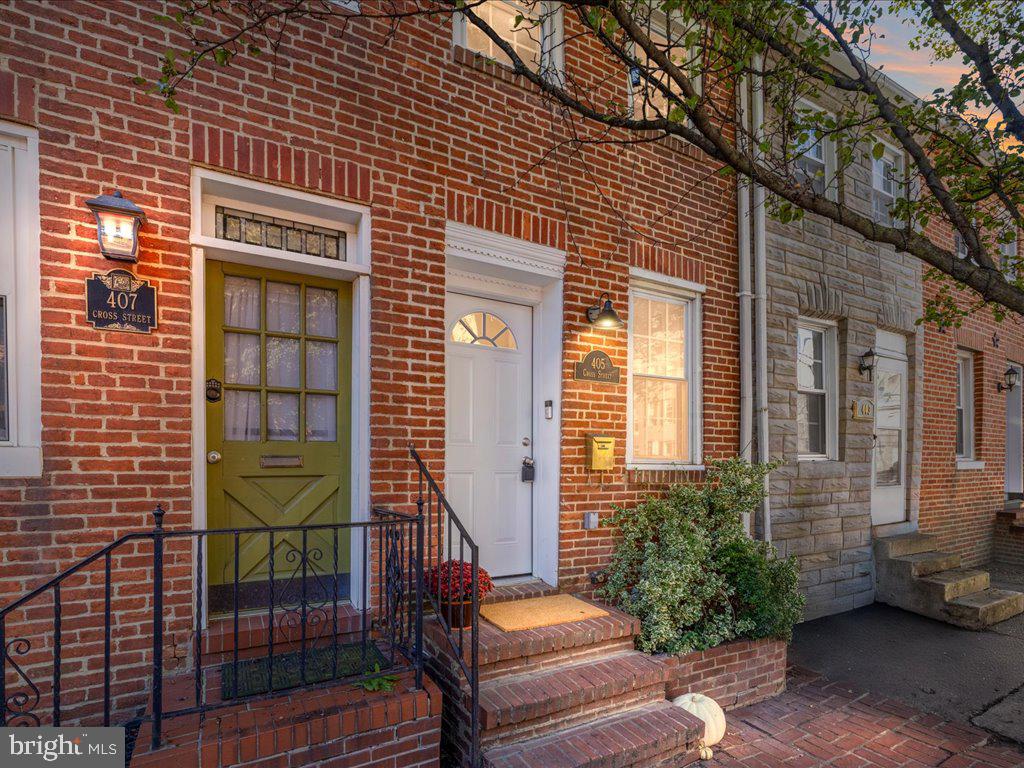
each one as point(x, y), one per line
point(600, 452)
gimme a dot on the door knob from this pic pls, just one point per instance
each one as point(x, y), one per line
point(526, 441)
point(213, 457)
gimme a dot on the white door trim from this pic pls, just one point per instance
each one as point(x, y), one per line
point(356, 220)
point(495, 266)
point(1013, 398)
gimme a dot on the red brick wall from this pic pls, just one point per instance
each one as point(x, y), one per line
point(418, 131)
point(959, 506)
point(734, 674)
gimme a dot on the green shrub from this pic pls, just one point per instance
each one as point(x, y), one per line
point(686, 567)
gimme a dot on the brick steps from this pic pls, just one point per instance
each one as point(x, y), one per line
point(575, 694)
point(652, 735)
point(538, 702)
point(912, 574)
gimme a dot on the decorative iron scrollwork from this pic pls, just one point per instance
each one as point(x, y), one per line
point(319, 596)
point(394, 577)
point(19, 706)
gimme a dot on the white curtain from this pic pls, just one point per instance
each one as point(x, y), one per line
point(241, 358)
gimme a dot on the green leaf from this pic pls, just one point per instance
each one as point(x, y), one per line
point(878, 151)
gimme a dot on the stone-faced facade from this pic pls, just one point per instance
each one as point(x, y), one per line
point(831, 298)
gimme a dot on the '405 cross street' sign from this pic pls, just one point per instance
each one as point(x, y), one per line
point(120, 301)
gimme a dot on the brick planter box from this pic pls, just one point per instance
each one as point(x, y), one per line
point(733, 674)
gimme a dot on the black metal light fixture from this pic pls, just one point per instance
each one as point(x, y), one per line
point(117, 225)
point(867, 363)
point(1011, 378)
point(603, 315)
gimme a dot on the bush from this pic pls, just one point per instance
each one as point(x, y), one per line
point(686, 567)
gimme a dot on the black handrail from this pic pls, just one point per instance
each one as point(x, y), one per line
point(431, 504)
point(396, 626)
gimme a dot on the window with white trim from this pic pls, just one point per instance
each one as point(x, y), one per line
point(20, 346)
point(664, 376)
point(964, 404)
point(533, 29)
point(646, 98)
point(817, 417)
point(887, 184)
point(959, 246)
point(815, 158)
point(1008, 259)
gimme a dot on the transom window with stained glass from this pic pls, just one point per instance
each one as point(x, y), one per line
point(279, 234)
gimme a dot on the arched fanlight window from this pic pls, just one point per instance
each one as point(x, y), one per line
point(484, 329)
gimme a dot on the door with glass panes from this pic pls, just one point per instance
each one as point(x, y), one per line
point(888, 461)
point(278, 448)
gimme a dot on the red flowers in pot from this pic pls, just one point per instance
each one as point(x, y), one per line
point(451, 583)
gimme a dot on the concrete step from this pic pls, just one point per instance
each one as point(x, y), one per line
point(516, 707)
point(905, 544)
point(956, 582)
point(657, 734)
point(927, 563)
point(985, 608)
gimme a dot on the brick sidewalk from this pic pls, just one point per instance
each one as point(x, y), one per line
point(817, 722)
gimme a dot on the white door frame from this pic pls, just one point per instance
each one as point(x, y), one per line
point(210, 186)
point(886, 343)
point(494, 266)
point(1013, 397)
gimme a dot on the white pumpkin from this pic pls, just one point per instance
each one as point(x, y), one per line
point(706, 709)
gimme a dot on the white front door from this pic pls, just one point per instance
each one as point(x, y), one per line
point(489, 402)
point(889, 490)
point(1014, 441)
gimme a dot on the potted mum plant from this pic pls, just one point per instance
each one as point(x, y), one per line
point(451, 583)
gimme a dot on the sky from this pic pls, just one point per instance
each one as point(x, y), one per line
point(911, 69)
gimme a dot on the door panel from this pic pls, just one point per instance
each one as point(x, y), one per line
point(280, 343)
point(489, 401)
point(1014, 448)
point(888, 493)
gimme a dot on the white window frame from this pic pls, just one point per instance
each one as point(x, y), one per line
point(552, 36)
point(829, 155)
point(965, 401)
point(1008, 257)
point(653, 285)
point(633, 93)
point(830, 379)
point(896, 157)
point(21, 455)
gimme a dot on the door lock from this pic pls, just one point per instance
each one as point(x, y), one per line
point(528, 471)
point(213, 457)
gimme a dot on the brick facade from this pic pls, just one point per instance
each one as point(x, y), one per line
point(735, 674)
point(960, 501)
point(417, 130)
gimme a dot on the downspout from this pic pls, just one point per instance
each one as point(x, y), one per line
point(743, 290)
point(761, 305)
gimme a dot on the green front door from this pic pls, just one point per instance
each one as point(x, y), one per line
point(278, 448)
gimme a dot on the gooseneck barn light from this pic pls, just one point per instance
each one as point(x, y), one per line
point(603, 315)
point(117, 225)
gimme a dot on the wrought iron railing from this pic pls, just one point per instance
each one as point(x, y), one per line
point(448, 540)
point(302, 631)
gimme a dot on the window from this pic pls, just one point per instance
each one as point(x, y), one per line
point(1008, 259)
point(815, 158)
point(887, 184)
point(646, 98)
point(664, 385)
point(817, 418)
point(20, 346)
point(536, 38)
point(279, 234)
point(959, 245)
point(964, 404)
point(483, 329)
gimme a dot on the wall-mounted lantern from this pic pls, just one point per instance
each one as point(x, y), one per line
point(1011, 378)
point(867, 364)
point(117, 225)
point(603, 315)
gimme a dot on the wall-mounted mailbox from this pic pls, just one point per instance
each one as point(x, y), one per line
point(600, 452)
